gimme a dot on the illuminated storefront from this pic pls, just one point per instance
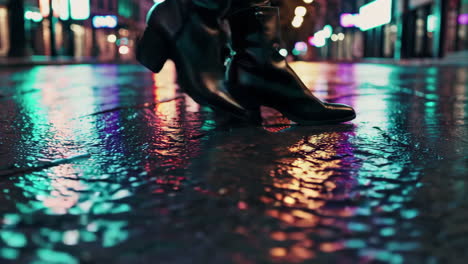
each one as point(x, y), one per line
point(376, 21)
point(106, 35)
point(412, 28)
point(432, 28)
point(421, 28)
point(462, 26)
point(55, 34)
point(106, 29)
point(394, 29)
point(462, 20)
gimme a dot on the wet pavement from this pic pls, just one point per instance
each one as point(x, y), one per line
point(110, 164)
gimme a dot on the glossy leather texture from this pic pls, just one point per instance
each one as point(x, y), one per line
point(258, 75)
point(189, 33)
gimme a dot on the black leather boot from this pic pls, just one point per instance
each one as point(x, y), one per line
point(189, 33)
point(258, 75)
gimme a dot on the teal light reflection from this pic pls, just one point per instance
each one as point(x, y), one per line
point(52, 256)
point(56, 124)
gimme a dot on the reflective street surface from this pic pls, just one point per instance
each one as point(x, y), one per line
point(111, 164)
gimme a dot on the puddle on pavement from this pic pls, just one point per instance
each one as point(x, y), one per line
point(118, 165)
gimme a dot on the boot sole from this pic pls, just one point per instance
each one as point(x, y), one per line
point(254, 108)
point(317, 123)
point(300, 121)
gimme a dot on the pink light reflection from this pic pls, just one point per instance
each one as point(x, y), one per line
point(463, 19)
point(348, 20)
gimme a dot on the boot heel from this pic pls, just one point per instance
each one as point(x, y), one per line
point(153, 49)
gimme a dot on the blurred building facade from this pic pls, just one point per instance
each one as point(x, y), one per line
point(106, 29)
point(312, 29)
point(353, 29)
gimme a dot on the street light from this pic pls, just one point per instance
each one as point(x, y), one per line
point(298, 19)
point(300, 11)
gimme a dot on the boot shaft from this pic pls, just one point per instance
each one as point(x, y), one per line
point(255, 33)
point(171, 14)
point(218, 8)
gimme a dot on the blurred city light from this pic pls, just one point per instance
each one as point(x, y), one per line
point(300, 48)
point(283, 52)
point(122, 41)
point(320, 38)
point(124, 50)
point(105, 21)
point(61, 8)
point(123, 32)
point(112, 38)
point(56, 7)
point(375, 14)
point(64, 9)
point(341, 36)
point(300, 11)
point(80, 9)
point(297, 21)
point(327, 31)
point(431, 23)
point(463, 19)
point(44, 6)
point(319, 42)
point(77, 29)
point(337, 37)
point(34, 16)
point(348, 20)
point(126, 8)
point(308, 1)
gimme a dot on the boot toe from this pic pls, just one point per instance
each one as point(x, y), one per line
point(340, 112)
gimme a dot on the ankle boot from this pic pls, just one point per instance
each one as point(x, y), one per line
point(189, 33)
point(258, 75)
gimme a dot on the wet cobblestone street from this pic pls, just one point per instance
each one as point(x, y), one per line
point(111, 164)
